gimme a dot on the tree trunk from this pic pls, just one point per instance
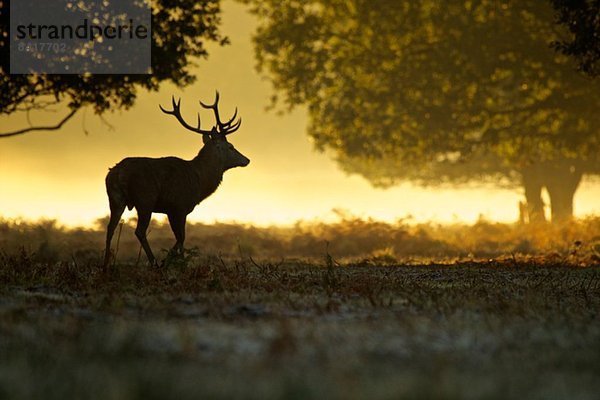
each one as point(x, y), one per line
point(533, 184)
point(562, 180)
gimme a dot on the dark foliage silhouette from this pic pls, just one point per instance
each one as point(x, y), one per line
point(180, 31)
point(582, 19)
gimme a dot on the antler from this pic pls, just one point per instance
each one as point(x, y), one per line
point(176, 111)
point(228, 127)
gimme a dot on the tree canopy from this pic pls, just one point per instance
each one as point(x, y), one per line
point(180, 31)
point(582, 19)
point(456, 91)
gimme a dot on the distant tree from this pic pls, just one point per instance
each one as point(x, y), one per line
point(180, 30)
point(582, 19)
point(434, 92)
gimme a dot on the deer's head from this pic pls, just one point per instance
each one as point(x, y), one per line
point(215, 140)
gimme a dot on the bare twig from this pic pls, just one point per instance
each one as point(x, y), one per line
point(41, 128)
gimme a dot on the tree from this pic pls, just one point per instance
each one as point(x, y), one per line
point(179, 33)
point(436, 92)
point(582, 19)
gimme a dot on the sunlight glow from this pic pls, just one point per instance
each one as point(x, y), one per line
point(60, 175)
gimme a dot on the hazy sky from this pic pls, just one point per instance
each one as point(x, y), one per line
point(60, 175)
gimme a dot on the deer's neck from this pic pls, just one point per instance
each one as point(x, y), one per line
point(209, 168)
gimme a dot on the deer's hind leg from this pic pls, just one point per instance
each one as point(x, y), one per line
point(116, 211)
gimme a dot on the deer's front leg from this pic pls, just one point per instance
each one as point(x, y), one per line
point(177, 222)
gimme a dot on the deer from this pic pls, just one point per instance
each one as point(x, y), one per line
point(171, 185)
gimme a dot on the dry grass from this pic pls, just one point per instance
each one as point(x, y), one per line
point(232, 323)
point(348, 240)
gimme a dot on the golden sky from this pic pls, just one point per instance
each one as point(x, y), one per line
point(60, 175)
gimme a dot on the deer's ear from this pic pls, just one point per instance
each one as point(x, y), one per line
point(205, 138)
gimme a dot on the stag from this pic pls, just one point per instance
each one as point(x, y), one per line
point(171, 185)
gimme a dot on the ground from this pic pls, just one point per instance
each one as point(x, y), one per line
point(224, 328)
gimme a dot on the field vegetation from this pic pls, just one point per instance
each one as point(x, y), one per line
point(350, 239)
point(357, 309)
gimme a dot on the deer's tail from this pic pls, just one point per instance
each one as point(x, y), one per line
point(116, 188)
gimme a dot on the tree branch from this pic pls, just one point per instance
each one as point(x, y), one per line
point(41, 128)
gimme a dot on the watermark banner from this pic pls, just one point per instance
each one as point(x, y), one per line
point(78, 37)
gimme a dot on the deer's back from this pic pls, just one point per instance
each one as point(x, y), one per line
point(161, 185)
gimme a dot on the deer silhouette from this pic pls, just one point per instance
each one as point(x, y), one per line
point(170, 185)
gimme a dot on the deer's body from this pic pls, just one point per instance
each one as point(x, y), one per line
point(166, 185)
point(170, 185)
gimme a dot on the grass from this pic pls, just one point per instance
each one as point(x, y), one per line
point(348, 239)
point(216, 326)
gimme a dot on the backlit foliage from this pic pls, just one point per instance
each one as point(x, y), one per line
point(576, 242)
point(431, 91)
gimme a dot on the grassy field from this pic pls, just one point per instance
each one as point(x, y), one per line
point(352, 310)
point(216, 326)
point(350, 239)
